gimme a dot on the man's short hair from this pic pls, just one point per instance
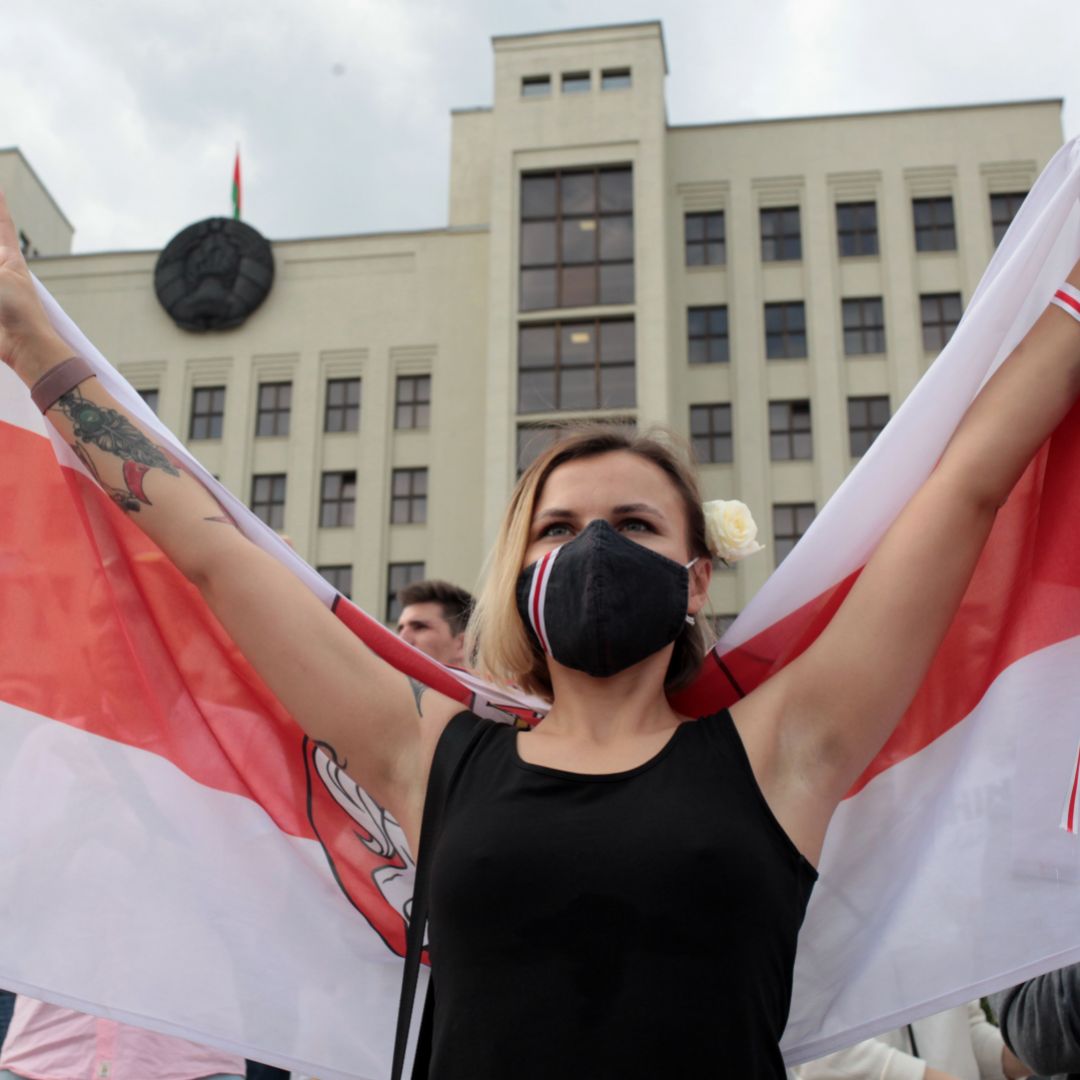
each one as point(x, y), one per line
point(456, 603)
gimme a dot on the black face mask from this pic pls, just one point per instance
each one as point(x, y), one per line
point(602, 603)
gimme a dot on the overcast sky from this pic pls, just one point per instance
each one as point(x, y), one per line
point(129, 110)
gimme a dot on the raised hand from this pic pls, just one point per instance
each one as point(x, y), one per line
point(28, 342)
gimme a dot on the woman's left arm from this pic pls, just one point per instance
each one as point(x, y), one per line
point(836, 704)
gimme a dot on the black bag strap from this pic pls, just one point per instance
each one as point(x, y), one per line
point(453, 747)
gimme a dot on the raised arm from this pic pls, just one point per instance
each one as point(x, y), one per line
point(381, 726)
point(817, 724)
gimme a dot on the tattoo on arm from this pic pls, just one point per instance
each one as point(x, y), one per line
point(418, 689)
point(114, 433)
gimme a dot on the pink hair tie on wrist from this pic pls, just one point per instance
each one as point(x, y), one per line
point(58, 380)
point(1068, 299)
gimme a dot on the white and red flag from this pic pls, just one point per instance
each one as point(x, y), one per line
point(175, 853)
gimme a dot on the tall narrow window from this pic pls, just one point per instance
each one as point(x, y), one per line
point(706, 239)
point(268, 499)
point(578, 365)
point(340, 577)
point(864, 326)
point(412, 401)
point(856, 228)
point(398, 575)
point(275, 404)
point(935, 225)
point(707, 331)
point(790, 522)
point(785, 330)
point(342, 405)
point(790, 437)
point(577, 239)
point(710, 433)
point(940, 317)
point(337, 500)
point(1002, 210)
point(781, 234)
point(408, 497)
point(867, 417)
point(207, 412)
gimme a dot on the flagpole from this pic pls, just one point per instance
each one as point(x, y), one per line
point(236, 193)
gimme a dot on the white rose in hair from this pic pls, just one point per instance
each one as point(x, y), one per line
point(730, 529)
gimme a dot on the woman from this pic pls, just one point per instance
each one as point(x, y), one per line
point(557, 947)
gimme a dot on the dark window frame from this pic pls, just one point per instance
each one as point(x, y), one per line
point(863, 325)
point(710, 338)
point(937, 232)
point(272, 414)
point(791, 431)
point(416, 408)
point(337, 499)
point(558, 368)
point(536, 86)
point(779, 243)
point(857, 236)
point(342, 416)
point(579, 82)
point(714, 442)
point(409, 506)
point(1003, 208)
point(620, 78)
point(705, 238)
point(781, 343)
point(556, 272)
point(395, 582)
point(784, 541)
point(268, 493)
point(340, 576)
point(864, 429)
point(207, 412)
point(152, 396)
point(938, 331)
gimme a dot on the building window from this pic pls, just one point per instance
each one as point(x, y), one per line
point(706, 240)
point(719, 624)
point(940, 316)
point(576, 82)
point(785, 330)
point(275, 403)
point(615, 79)
point(864, 326)
point(412, 401)
point(580, 365)
point(399, 575)
point(207, 412)
point(532, 441)
point(856, 228)
point(707, 335)
point(935, 226)
point(151, 399)
point(408, 497)
point(710, 433)
point(342, 405)
point(536, 86)
point(789, 522)
point(867, 417)
point(790, 438)
point(268, 499)
point(781, 234)
point(1002, 210)
point(340, 577)
point(577, 239)
point(337, 500)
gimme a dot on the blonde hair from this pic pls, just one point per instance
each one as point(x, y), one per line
point(498, 643)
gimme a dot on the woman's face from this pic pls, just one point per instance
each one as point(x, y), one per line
point(634, 496)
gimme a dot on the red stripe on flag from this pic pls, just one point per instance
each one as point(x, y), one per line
point(1022, 598)
point(1065, 298)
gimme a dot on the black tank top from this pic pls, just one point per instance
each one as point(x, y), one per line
point(632, 924)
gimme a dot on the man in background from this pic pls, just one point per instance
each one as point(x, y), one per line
point(433, 618)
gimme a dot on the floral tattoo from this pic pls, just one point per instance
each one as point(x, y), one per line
point(114, 433)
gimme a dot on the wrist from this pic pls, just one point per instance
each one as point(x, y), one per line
point(37, 354)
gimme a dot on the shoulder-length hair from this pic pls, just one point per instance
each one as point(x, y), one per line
point(497, 641)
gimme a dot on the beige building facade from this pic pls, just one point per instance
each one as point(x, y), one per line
point(770, 290)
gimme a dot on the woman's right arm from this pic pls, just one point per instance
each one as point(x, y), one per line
point(382, 726)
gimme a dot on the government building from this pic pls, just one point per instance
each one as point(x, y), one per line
point(768, 289)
